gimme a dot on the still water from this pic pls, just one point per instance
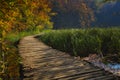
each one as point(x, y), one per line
point(114, 66)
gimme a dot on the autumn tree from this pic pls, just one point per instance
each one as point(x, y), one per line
point(35, 14)
point(74, 7)
point(17, 16)
point(21, 15)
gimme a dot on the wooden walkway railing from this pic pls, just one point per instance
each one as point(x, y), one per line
point(41, 62)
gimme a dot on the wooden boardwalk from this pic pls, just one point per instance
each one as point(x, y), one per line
point(41, 62)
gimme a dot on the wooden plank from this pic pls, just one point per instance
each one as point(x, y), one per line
point(41, 62)
point(77, 73)
point(84, 76)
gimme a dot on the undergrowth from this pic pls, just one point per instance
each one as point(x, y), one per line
point(10, 60)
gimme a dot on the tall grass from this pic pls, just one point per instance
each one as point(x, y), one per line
point(82, 42)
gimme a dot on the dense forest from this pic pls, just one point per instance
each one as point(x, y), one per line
point(27, 15)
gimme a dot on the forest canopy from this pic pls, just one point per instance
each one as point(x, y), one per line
point(21, 15)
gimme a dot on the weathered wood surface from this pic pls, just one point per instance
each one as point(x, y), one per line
point(41, 62)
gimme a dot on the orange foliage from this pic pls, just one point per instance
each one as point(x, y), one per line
point(24, 14)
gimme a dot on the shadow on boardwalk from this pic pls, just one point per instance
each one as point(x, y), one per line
point(41, 62)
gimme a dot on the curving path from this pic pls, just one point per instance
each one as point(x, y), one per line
point(41, 62)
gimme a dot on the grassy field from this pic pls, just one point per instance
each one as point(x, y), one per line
point(82, 42)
